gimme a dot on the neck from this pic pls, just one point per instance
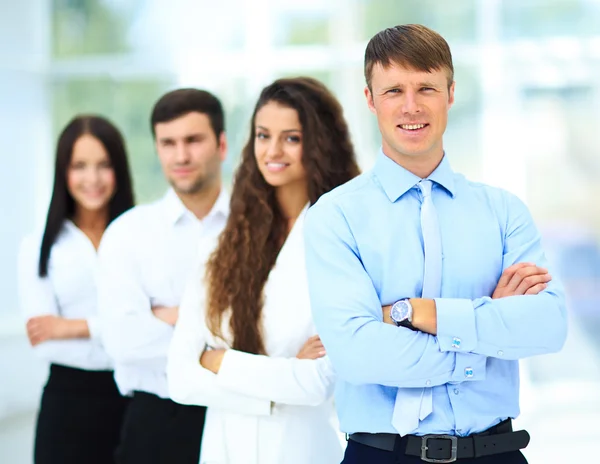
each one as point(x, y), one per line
point(201, 203)
point(421, 165)
point(292, 199)
point(91, 220)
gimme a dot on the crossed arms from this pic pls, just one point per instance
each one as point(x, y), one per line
point(513, 323)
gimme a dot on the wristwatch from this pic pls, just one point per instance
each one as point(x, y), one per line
point(401, 313)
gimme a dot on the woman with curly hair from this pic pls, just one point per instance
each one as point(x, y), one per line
point(245, 344)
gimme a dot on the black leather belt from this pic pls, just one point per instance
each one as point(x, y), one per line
point(447, 448)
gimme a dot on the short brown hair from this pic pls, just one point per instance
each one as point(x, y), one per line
point(409, 45)
point(181, 102)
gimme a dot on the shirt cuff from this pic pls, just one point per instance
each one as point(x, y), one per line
point(235, 368)
point(94, 327)
point(456, 329)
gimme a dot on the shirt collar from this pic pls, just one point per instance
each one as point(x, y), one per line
point(221, 206)
point(175, 209)
point(396, 180)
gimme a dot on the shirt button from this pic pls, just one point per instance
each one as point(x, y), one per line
point(500, 353)
point(428, 383)
point(456, 342)
point(456, 391)
point(468, 372)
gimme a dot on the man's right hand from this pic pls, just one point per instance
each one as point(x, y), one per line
point(522, 279)
point(168, 314)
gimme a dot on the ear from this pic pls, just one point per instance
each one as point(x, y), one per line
point(223, 146)
point(370, 102)
point(451, 95)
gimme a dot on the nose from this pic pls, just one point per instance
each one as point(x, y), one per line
point(274, 148)
point(410, 104)
point(181, 153)
point(92, 175)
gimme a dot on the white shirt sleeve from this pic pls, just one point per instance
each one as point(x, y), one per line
point(281, 380)
point(131, 332)
point(37, 298)
point(189, 382)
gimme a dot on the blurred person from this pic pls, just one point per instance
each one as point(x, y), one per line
point(245, 345)
point(457, 265)
point(81, 409)
point(145, 259)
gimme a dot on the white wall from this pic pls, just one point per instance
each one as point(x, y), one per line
point(25, 153)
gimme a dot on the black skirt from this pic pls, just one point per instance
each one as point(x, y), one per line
point(80, 417)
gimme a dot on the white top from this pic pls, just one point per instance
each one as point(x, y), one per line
point(273, 409)
point(68, 291)
point(146, 256)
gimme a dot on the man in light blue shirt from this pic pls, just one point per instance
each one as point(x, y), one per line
point(426, 288)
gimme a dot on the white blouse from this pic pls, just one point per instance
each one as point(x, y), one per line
point(273, 409)
point(68, 291)
point(146, 257)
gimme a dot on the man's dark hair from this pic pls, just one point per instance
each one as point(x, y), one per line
point(180, 102)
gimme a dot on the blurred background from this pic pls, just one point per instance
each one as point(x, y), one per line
point(526, 118)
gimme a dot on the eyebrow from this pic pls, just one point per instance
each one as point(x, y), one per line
point(185, 137)
point(287, 130)
point(428, 84)
point(419, 84)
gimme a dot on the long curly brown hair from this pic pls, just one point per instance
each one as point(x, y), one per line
point(256, 229)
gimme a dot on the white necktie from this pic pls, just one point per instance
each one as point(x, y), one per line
point(415, 404)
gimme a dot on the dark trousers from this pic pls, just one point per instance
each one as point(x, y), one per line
point(80, 417)
point(357, 453)
point(160, 431)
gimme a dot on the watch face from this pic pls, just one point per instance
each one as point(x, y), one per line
point(399, 311)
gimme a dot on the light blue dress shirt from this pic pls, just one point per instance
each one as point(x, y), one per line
point(364, 249)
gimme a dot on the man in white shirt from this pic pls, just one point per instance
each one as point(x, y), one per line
point(145, 258)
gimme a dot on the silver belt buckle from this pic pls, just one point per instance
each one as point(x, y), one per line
point(453, 449)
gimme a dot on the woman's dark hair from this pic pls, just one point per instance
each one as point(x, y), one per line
point(62, 205)
point(256, 228)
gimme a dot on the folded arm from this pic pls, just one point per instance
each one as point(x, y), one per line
point(188, 381)
point(51, 327)
point(132, 334)
point(281, 380)
point(512, 327)
point(45, 326)
point(348, 317)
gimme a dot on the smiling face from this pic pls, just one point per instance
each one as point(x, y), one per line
point(278, 145)
point(90, 175)
point(412, 111)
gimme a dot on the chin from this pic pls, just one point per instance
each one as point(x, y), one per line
point(273, 181)
point(94, 206)
point(412, 151)
point(188, 188)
